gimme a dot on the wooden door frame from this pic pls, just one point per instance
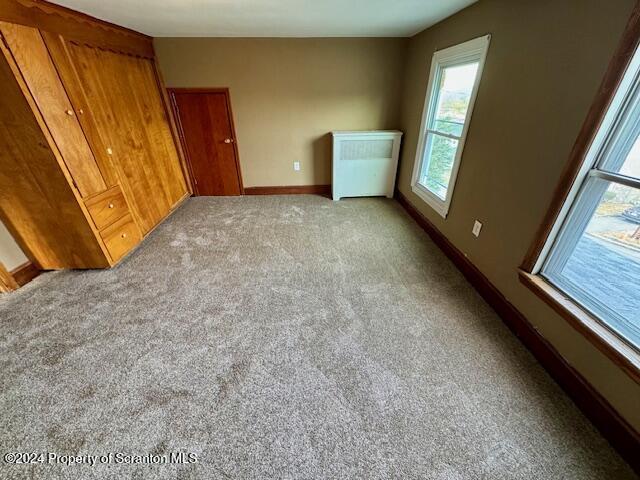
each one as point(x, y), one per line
point(174, 105)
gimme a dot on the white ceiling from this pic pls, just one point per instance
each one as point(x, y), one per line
point(271, 18)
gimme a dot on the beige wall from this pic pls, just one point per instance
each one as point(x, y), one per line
point(544, 65)
point(287, 94)
point(10, 254)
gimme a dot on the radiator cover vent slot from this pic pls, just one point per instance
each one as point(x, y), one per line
point(366, 149)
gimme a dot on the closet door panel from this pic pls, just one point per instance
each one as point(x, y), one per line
point(111, 119)
point(75, 91)
point(164, 154)
point(104, 81)
point(36, 202)
point(125, 104)
point(39, 73)
point(146, 162)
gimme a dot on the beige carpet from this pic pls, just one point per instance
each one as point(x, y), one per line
point(282, 337)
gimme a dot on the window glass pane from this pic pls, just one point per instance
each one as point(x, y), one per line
point(456, 85)
point(631, 166)
point(440, 153)
point(601, 267)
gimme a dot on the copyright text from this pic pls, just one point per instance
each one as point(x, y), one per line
point(112, 458)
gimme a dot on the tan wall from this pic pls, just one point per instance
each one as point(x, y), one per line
point(10, 254)
point(287, 94)
point(544, 66)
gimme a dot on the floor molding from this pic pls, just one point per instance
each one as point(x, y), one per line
point(289, 190)
point(7, 282)
point(25, 273)
point(622, 436)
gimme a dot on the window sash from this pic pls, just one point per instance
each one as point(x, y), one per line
point(444, 134)
point(438, 88)
point(616, 178)
point(623, 133)
point(459, 55)
point(595, 163)
point(594, 185)
point(423, 179)
point(609, 151)
point(619, 80)
point(581, 213)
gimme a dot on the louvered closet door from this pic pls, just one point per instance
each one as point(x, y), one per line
point(125, 110)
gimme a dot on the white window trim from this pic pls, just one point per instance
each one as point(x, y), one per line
point(473, 50)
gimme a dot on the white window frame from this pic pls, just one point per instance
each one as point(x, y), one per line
point(467, 52)
point(618, 130)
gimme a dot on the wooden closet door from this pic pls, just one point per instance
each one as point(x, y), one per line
point(124, 107)
point(37, 204)
point(37, 69)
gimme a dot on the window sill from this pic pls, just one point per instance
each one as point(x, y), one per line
point(623, 355)
point(438, 205)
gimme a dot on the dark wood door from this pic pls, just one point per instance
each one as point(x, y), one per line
point(207, 130)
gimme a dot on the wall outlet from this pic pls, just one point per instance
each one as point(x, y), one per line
point(296, 166)
point(476, 228)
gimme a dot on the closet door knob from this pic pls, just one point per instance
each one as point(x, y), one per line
point(228, 140)
point(69, 112)
point(111, 205)
point(124, 235)
point(109, 151)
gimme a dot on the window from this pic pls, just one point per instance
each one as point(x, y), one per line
point(451, 92)
point(593, 253)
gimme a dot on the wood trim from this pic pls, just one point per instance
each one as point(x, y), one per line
point(174, 104)
point(7, 281)
point(604, 340)
point(25, 273)
point(171, 112)
point(235, 138)
point(61, 10)
point(198, 90)
point(18, 277)
point(76, 26)
point(15, 233)
point(290, 190)
point(622, 436)
point(183, 143)
point(613, 76)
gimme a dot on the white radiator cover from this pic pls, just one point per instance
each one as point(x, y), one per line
point(365, 163)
